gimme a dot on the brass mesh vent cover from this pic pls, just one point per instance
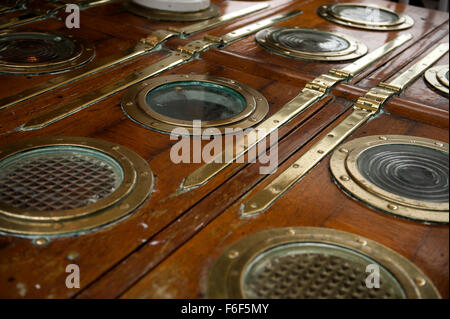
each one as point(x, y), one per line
point(405, 176)
point(437, 77)
point(62, 185)
point(163, 15)
point(310, 44)
point(174, 101)
point(310, 262)
point(364, 16)
point(42, 52)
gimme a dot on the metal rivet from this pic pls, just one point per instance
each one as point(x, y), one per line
point(343, 150)
point(320, 152)
point(295, 166)
point(392, 206)
point(233, 254)
point(420, 281)
point(291, 231)
point(275, 189)
point(344, 178)
point(439, 144)
point(41, 241)
point(129, 103)
point(383, 138)
point(116, 148)
point(330, 135)
point(276, 121)
point(73, 255)
point(362, 242)
point(253, 205)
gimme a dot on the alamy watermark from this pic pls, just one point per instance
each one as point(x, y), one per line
point(73, 19)
point(222, 148)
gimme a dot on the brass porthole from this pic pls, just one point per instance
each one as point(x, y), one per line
point(64, 185)
point(365, 16)
point(174, 101)
point(313, 262)
point(437, 77)
point(405, 176)
point(163, 15)
point(310, 44)
point(42, 52)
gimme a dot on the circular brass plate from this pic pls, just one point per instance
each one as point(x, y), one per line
point(62, 185)
point(162, 15)
point(437, 77)
point(334, 47)
point(362, 16)
point(42, 52)
point(343, 165)
point(135, 106)
point(312, 262)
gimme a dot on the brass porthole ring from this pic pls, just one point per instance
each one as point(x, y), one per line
point(42, 52)
point(310, 44)
point(65, 185)
point(176, 101)
point(405, 176)
point(149, 13)
point(437, 77)
point(313, 262)
point(362, 16)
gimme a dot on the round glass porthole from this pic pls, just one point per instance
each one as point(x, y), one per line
point(437, 77)
point(166, 103)
point(402, 175)
point(167, 15)
point(62, 185)
point(365, 16)
point(313, 263)
point(310, 44)
point(39, 52)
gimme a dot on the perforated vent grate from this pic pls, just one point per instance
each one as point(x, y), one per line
point(57, 179)
point(299, 271)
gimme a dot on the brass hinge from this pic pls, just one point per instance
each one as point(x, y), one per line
point(374, 99)
point(340, 73)
point(213, 38)
point(390, 87)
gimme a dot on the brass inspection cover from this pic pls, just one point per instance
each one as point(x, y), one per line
point(173, 101)
point(402, 175)
point(310, 44)
point(312, 262)
point(61, 185)
point(437, 77)
point(364, 16)
point(163, 15)
point(42, 52)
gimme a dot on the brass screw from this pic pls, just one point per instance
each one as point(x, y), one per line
point(275, 189)
point(343, 150)
point(41, 241)
point(320, 152)
point(116, 148)
point(344, 178)
point(291, 231)
point(233, 254)
point(383, 138)
point(420, 281)
point(362, 242)
point(253, 205)
point(143, 174)
point(129, 103)
point(73, 255)
point(439, 144)
point(392, 206)
point(295, 166)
